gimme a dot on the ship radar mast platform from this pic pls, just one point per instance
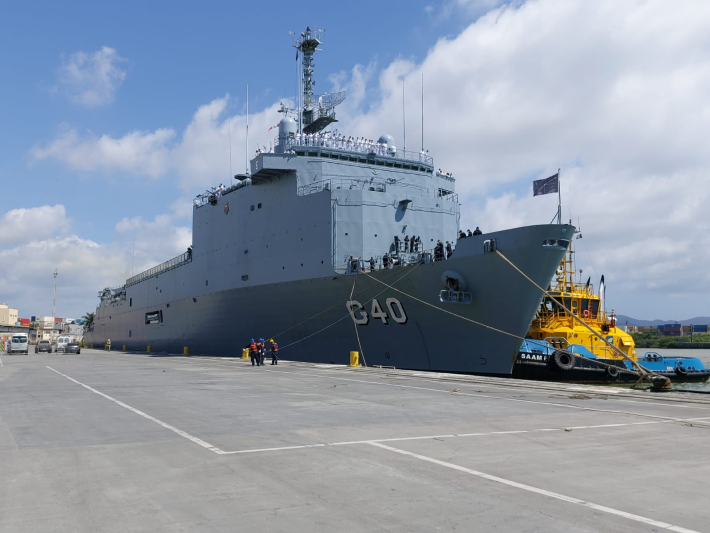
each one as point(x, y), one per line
point(316, 111)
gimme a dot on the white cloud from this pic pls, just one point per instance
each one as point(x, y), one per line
point(200, 157)
point(20, 225)
point(91, 79)
point(152, 242)
point(144, 153)
point(84, 266)
point(613, 92)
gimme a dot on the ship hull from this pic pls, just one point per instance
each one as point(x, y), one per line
point(401, 320)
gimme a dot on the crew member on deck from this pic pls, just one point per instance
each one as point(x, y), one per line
point(438, 251)
point(386, 260)
point(396, 243)
point(449, 251)
point(469, 233)
point(372, 264)
point(406, 243)
point(462, 235)
point(477, 231)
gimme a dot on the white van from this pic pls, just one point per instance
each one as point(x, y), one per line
point(62, 342)
point(18, 343)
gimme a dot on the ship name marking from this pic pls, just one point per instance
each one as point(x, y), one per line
point(395, 311)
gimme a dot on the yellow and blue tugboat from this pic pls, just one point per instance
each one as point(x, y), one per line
point(561, 346)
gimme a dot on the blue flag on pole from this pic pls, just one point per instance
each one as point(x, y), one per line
point(546, 185)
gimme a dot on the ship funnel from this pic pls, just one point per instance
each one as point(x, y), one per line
point(602, 292)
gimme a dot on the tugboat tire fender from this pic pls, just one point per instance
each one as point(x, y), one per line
point(612, 371)
point(681, 370)
point(563, 360)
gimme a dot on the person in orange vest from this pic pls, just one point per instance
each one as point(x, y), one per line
point(253, 353)
point(261, 347)
point(274, 352)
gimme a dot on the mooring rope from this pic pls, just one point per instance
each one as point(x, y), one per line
point(497, 330)
point(340, 303)
point(643, 372)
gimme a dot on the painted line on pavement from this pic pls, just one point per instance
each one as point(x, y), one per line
point(459, 435)
point(448, 391)
point(273, 449)
point(180, 432)
point(542, 492)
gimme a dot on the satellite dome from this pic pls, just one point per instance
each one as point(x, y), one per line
point(386, 139)
point(287, 125)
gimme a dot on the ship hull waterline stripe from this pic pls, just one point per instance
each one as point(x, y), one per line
point(542, 492)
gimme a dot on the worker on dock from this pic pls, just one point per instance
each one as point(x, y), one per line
point(253, 353)
point(274, 352)
point(261, 347)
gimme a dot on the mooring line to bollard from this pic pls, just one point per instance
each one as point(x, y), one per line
point(641, 371)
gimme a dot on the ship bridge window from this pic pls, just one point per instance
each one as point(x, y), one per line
point(593, 308)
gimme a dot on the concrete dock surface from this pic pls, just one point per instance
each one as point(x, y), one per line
point(130, 442)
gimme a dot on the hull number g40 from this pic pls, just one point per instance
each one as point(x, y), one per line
point(394, 311)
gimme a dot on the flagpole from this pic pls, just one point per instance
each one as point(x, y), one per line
point(559, 198)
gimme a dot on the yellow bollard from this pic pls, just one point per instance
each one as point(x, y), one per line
point(185, 350)
point(148, 350)
point(354, 359)
point(108, 345)
point(245, 353)
point(124, 347)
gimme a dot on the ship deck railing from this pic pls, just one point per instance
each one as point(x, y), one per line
point(375, 186)
point(175, 262)
point(320, 147)
point(396, 259)
point(211, 195)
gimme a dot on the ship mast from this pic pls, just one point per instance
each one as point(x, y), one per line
point(316, 111)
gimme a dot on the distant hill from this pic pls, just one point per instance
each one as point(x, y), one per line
point(623, 319)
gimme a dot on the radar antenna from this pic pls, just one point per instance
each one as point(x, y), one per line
point(318, 111)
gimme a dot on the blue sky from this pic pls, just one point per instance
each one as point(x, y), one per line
point(115, 116)
point(177, 57)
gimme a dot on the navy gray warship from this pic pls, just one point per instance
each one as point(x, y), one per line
point(312, 247)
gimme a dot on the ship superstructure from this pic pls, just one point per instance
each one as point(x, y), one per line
point(316, 240)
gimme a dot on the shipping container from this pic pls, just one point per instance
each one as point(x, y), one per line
point(697, 328)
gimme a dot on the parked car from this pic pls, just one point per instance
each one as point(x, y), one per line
point(72, 347)
point(61, 342)
point(43, 346)
point(18, 343)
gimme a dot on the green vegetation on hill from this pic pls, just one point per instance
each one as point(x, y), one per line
point(654, 340)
